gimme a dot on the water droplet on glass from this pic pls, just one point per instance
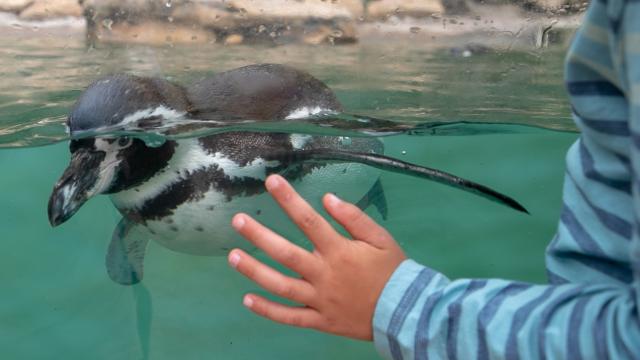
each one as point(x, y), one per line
point(345, 140)
point(415, 29)
point(107, 23)
point(404, 152)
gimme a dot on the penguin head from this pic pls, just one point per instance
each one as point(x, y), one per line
point(109, 164)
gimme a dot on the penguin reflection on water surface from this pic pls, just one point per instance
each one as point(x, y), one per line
point(184, 192)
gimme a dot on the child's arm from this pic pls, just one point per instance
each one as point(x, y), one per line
point(355, 288)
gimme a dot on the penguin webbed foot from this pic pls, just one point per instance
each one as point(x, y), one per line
point(376, 197)
point(125, 256)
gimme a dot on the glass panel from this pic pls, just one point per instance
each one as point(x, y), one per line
point(470, 87)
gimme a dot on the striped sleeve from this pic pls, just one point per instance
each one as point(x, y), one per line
point(589, 308)
point(631, 61)
point(422, 315)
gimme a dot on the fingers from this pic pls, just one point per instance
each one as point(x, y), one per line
point(356, 222)
point(296, 316)
point(312, 224)
point(271, 280)
point(277, 247)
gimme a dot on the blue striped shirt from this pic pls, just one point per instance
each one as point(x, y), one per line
point(589, 309)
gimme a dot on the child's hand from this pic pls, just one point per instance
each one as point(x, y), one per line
point(341, 279)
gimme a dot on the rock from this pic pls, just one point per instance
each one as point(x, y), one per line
point(151, 33)
point(197, 13)
point(382, 9)
point(46, 9)
point(338, 34)
point(555, 7)
point(14, 6)
point(234, 39)
point(130, 10)
point(548, 4)
point(355, 7)
point(165, 22)
point(316, 36)
point(309, 21)
point(456, 7)
point(236, 21)
point(292, 9)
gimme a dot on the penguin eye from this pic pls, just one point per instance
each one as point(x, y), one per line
point(124, 141)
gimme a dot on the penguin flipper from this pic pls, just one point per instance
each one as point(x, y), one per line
point(125, 255)
point(376, 197)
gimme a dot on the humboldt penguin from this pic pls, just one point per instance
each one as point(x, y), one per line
point(182, 193)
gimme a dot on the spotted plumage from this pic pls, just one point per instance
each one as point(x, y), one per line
point(184, 192)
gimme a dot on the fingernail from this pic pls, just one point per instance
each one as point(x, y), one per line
point(247, 301)
point(238, 222)
point(333, 200)
point(234, 259)
point(272, 182)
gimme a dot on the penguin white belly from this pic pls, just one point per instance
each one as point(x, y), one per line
point(201, 225)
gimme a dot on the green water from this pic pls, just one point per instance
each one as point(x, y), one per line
point(58, 301)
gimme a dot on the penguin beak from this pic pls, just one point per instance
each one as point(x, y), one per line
point(79, 182)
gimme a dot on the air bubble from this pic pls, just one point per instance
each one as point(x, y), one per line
point(154, 141)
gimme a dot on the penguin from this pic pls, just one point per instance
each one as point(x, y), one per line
point(182, 193)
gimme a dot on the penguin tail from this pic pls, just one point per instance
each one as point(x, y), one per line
point(390, 164)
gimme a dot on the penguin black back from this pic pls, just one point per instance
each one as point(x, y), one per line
point(259, 92)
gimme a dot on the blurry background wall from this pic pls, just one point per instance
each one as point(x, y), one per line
point(234, 22)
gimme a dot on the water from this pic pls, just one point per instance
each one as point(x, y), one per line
point(58, 299)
